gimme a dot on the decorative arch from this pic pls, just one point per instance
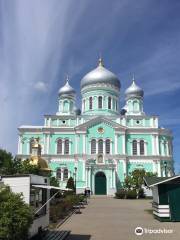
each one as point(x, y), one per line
point(93, 146)
point(59, 146)
point(90, 103)
point(134, 147)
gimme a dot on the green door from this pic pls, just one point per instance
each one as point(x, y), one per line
point(174, 196)
point(100, 183)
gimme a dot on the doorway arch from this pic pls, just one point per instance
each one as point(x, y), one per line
point(100, 184)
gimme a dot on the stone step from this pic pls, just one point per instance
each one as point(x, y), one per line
point(56, 235)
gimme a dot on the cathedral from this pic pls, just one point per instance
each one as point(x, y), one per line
point(100, 144)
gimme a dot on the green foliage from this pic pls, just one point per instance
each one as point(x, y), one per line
point(121, 193)
point(135, 180)
point(131, 194)
point(15, 216)
point(61, 207)
point(11, 166)
point(53, 181)
point(70, 184)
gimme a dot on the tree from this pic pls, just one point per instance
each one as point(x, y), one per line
point(6, 162)
point(135, 179)
point(70, 184)
point(15, 215)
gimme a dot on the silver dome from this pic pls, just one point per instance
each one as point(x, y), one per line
point(134, 91)
point(66, 90)
point(100, 75)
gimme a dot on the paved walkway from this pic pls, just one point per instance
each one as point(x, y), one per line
point(106, 218)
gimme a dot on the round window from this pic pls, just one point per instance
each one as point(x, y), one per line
point(100, 130)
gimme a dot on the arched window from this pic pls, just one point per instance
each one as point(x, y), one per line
point(65, 176)
point(100, 102)
point(100, 146)
point(134, 147)
point(90, 103)
point(58, 173)
point(66, 146)
point(108, 146)
point(59, 146)
point(142, 147)
point(109, 102)
point(31, 145)
point(93, 146)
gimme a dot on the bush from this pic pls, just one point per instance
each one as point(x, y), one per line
point(121, 194)
point(15, 216)
point(131, 194)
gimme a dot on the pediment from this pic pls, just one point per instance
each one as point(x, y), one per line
point(98, 120)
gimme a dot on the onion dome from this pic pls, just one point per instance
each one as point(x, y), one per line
point(67, 89)
point(100, 75)
point(134, 91)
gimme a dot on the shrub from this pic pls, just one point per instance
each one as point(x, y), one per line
point(131, 194)
point(15, 215)
point(121, 193)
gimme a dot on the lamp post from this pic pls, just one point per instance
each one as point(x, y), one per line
point(165, 168)
point(75, 172)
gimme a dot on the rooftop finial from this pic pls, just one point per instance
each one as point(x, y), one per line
point(100, 61)
point(133, 78)
point(67, 78)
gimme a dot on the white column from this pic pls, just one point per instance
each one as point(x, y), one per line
point(83, 173)
point(96, 146)
point(63, 146)
point(76, 143)
point(154, 145)
point(167, 149)
point(123, 144)
point(124, 167)
point(112, 178)
point(62, 174)
point(70, 147)
point(84, 143)
point(104, 147)
point(87, 177)
point(115, 144)
point(159, 169)
point(145, 148)
point(138, 147)
point(48, 143)
point(157, 144)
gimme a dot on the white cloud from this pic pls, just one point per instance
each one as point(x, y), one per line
point(41, 86)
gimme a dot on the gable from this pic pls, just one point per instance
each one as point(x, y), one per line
point(100, 120)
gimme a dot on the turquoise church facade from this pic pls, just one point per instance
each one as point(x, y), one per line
point(100, 144)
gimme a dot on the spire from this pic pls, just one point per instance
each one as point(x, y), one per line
point(133, 78)
point(67, 78)
point(100, 62)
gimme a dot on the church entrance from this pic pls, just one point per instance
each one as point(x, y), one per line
point(100, 184)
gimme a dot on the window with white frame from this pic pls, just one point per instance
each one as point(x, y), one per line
point(141, 147)
point(66, 146)
point(93, 146)
point(65, 175)
point(134, 147)
point(109, 102)
point(99, 102)
point(108, 146)
point(58, 173)
point(100, 146)
point(90, 102)
point(59, 146)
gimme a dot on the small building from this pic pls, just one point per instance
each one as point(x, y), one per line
point(166, 195)
point(33, 196)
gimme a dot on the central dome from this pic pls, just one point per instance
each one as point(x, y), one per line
point(100, 75)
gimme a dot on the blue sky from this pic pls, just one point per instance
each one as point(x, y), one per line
point(43, 40)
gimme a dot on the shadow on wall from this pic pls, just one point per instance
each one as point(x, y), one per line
point(78, 237)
